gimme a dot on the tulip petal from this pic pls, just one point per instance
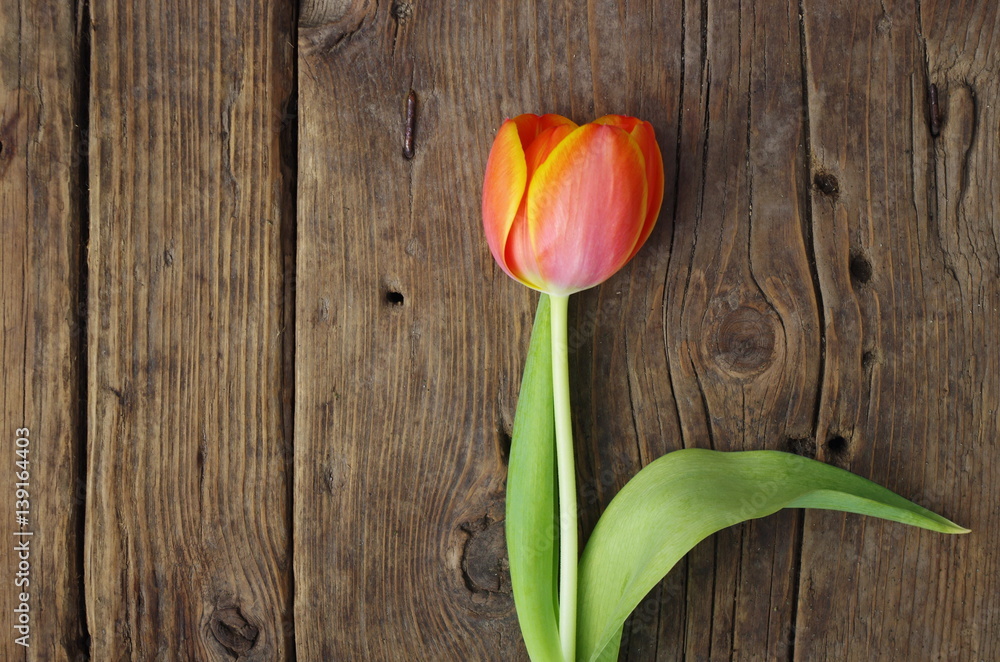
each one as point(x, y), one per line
point(503, 188)
point(543, 144)
point(549, 120)
point(529, 126)
point(643, 134)
point(519, 255)
point(586, 207)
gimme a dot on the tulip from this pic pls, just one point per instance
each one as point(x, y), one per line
point(564, 208)
point(567, 206)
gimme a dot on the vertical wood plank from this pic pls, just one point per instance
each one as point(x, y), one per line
point(40, 281)
point(403, 401)
point(187, 530)
point(906, 239)
point(741, 319)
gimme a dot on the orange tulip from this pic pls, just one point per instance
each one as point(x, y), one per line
point(566, 206)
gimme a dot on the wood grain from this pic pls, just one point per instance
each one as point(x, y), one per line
point(187, 529)
point(403, 397)
point(209, 226)
point(739, 314)
point(40, 299)
point(906, 240)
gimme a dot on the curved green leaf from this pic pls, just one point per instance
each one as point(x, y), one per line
point(532, 516)
point(685, 496)
point(610, 652)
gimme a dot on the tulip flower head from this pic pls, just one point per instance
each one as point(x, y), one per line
point(566, 206)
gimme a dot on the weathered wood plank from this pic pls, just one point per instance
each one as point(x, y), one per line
point(40, 281)
point(187, 529)
point(401, 414)
point(906, 236)
point(740, 315)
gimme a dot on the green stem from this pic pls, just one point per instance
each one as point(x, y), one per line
point(566, 476)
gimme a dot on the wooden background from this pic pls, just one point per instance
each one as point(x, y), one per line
point(269, 367)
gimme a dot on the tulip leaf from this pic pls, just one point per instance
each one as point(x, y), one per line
point(685, 496)
point(532, 515)
point(610, 652)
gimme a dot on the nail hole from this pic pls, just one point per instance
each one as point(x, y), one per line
point(867, 360)
point(503, 443)
point(861, 268)
point(804, 446)
point(837, 445)
point(827, 184)
point(393, 298)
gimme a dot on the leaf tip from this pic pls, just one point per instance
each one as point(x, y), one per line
point(944, 525)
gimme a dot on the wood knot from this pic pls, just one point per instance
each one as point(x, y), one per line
point(325, 24)
point(484, 562)
point(402, 11)
point(318, 13)
point(233, 631)
point(744, 341)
